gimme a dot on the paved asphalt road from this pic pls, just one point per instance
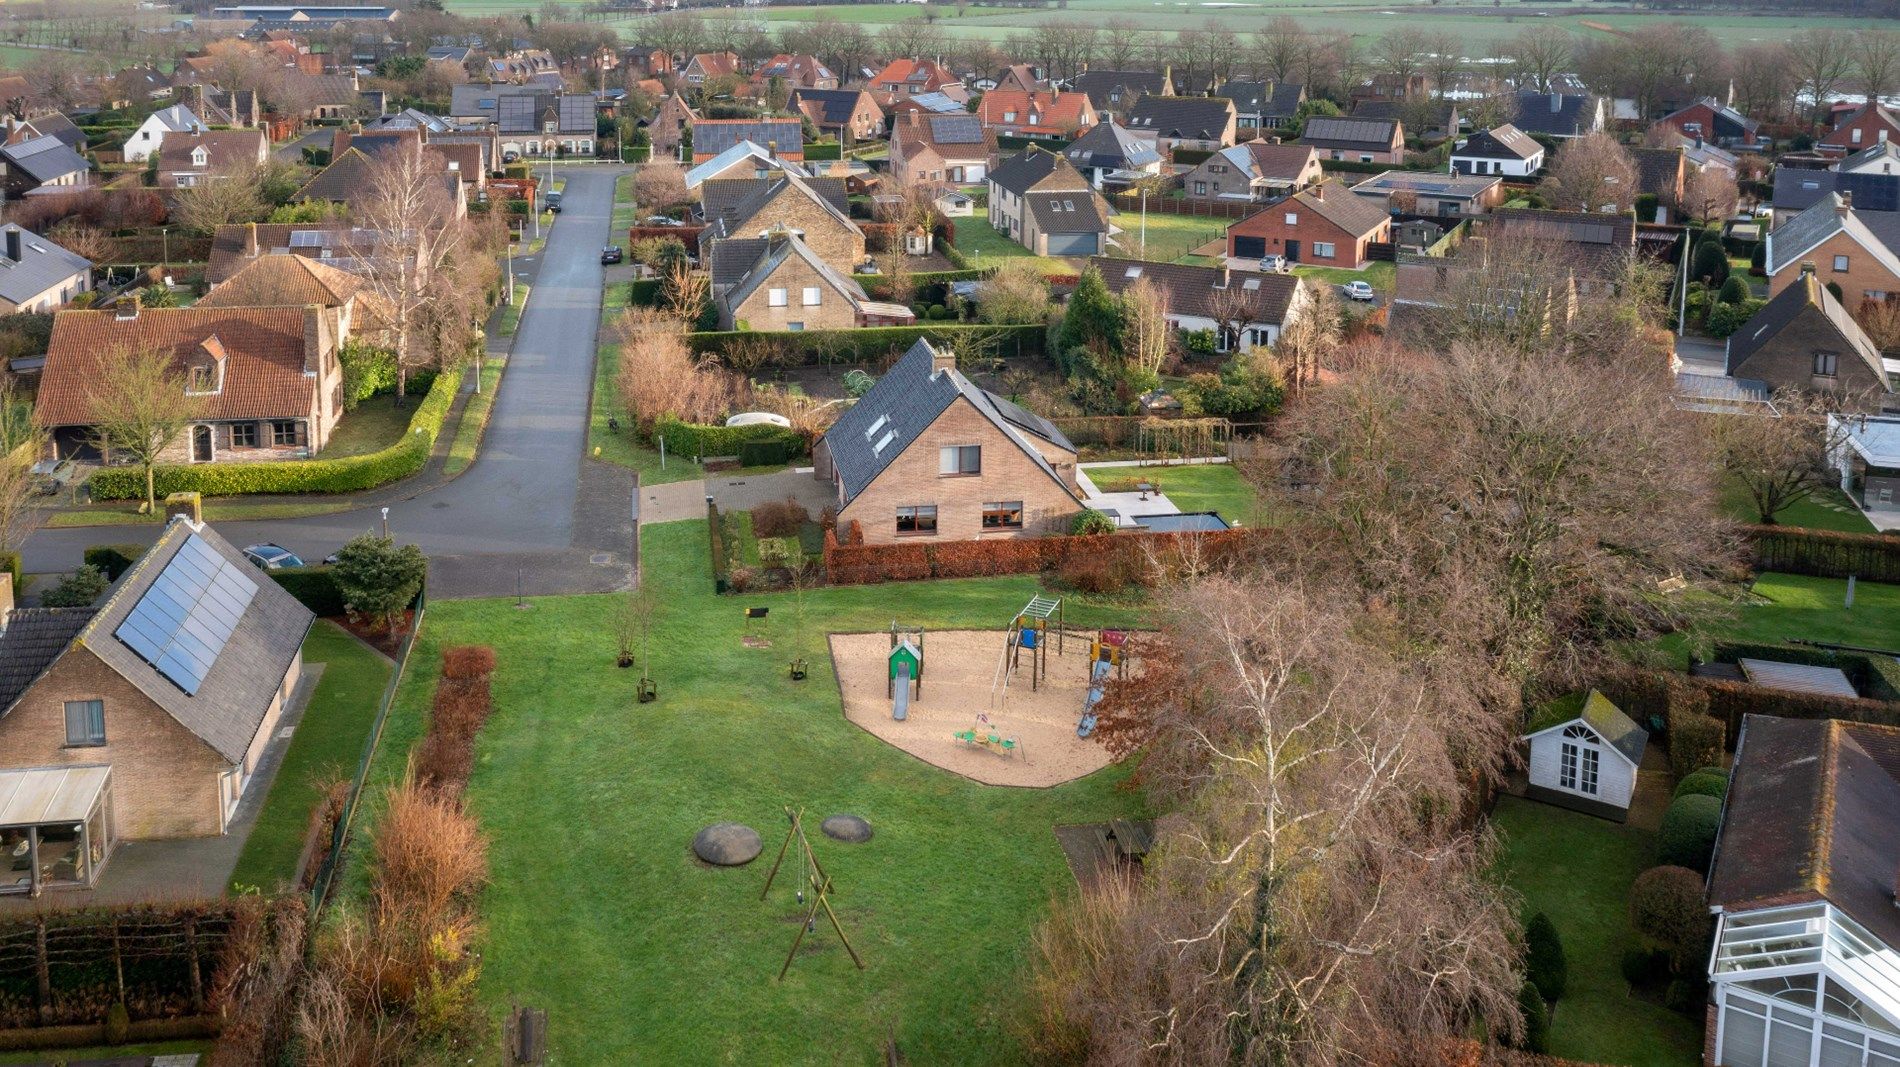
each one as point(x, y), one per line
point(528, 515)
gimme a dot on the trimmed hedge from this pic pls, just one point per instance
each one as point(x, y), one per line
point(694, 439)
point(399, 460)
point(314, 587)
point(812, 348)
point(1544, 963)
point(1825, 553)
point(934, 284)
point(1127, 554)
point(113, 560)
point(1688, 832)
point(1876, 676)
point(644, 292)
point(1708, 783)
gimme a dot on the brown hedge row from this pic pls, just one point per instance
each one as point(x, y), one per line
point(850, 562)
point(1825, 553)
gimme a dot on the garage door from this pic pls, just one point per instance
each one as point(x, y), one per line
point(1073, 244)
point(1250, 247)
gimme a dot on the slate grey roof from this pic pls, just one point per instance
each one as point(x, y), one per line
point(732, 258)
point(1111, 146)
point(1193, 290)
point(716, 136)
point(1806, 295)
point(1439, 114)
point(1885, 153)
point(1798, 236)
point(44, 159)
point(237, 691)
point(1287, 98)
point(32, 640)
point(1020, 172)
point(524, 113)
point(57, 125)
point(1365, 135)
point(778, 249)
point(1502, 142)
point(1066, 211)
point(1191, 117)
point(1101, 85)
point(737, 199)
point(1248, 97)
point(42, 265)
point(1798, 190)
point(1557, 114)
point(1429, 183)
point(475, 100)
point(905, 402)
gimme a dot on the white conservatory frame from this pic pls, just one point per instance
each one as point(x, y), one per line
point(1839, 987)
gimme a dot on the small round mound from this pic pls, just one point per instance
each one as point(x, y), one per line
point(728, 844)
point(847, 828)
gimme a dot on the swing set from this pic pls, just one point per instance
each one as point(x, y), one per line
point(818, 884)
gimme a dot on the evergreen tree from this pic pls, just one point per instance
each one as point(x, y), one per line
point(1093, 319)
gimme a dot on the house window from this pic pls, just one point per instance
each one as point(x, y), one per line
point(204, 379)
point(1855, 137)
point(1323, 249)
point(1840, 264)
point(775, 297)
point(811, 296)
point(1200, 188)
point(960, 459)
point(921, 519)
point(244, 435)
point(1826, 364)
point(1292, 218)
point(283, 432)
point(1003, 515)
point(1365, 157)
point(85, 723)
point(796, 326)
point(1578, 761)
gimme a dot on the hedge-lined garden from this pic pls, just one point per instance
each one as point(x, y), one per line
point(758, 445)
point(867, 345)
point(355, 473)
point(1825, 553)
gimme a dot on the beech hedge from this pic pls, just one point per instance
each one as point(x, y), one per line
point(347, 475)
point(1825, 553)
point(696, 439)
point(871, 343)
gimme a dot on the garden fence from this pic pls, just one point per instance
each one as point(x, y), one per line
point(1130, 203)
point(339, 836)
point(1137, 435)
point(68, 968)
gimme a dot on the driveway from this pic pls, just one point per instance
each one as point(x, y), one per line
point(1702, 355)
point(530, 516)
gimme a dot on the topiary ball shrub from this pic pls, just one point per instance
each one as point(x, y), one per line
point(1091, 522)
point(1666, 906)
point(1703, 783)
point(1536, 1019)
point(1544, 964)
point(1734, 290)
point(1686, 997)
point(1688, 832)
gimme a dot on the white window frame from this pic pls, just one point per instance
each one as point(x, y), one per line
point(812, 296)
point(1325, 250)
point(776, 298)
point(1841, 264)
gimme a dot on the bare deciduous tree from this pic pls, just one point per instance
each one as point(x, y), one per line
point(140, 407)
point(1540, 53)
point(660, 186)
point(1016, 294)
point(1876, 60)
point(1592, 173)
point(1709, 193)
point(236, 195)
point(1764, 81)
point(1819, 59)
point(1146, 333)
point(21, 443)
point(659, 377)
point(1277, 47)
point(1779, 461)
point(407, 218)
point(1310, 337)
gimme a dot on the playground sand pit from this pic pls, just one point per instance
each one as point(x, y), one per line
point(959, 666)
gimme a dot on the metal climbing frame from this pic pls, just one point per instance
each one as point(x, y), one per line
point(1041, 609)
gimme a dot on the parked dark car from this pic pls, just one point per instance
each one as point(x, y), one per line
point(610, 254)
point(270, 557)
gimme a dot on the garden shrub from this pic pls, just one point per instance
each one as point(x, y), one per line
point(779, 518)
point(1824, 553)
point(1688, 832)
point(1709, 261)
point(467, 661)
point(1645, 966)
point(1725, 319)
point(379, 578)
point(78, 589)
point(1687, 997)
point(1544, 964)
point(114, 560)
point(1536, 1019)
point(1734, 290)
point(1666, 906)
point(696, 439)
point(770, 453)
point(870, 344)
point(1091, 521)
point(118, 1024)
point(349, 475)
point(314, 587)
point(446, 755)
point(10, 563)
point(1703, 783)
point(367, 371)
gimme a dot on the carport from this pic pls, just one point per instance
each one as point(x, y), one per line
point(55, 827)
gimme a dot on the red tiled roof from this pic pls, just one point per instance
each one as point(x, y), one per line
point(263, 369)
point(1055, 112)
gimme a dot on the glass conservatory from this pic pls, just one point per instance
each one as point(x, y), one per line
point(55, 827)
point(1804, 985)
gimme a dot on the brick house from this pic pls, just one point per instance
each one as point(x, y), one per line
point(781, 284)
point(926, 454)
point(1355, 139)
point(36, 274)
point(1244, 309)
point(196, 157)
point(1048, 114)
point(941, 149)
point(905, 77)
point(267, 379)
point(709, 65)
point(794, 72)
point(1200, 123)
point(1849, 248)
point(1256, 171)
point(666, 129)
point(1804, 339)
point(742, 160)
point(1040, 201)
point(300, 281)
point(1662, 172)
point(1863, 128)
point(128, 724)
point(1711, 120)
point(813, 208)
point(1316, 226)
point(848, 114)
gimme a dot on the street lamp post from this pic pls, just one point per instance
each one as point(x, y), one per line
point(165, 239)
point(385, 523)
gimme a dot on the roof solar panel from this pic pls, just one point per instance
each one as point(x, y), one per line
point(188, 614)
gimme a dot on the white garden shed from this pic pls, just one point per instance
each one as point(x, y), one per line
point(1584, 753)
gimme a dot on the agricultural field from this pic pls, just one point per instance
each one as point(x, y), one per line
point(1478, 25)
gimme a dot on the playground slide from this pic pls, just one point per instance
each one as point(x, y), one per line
point(1098, 676)
point(900, 704)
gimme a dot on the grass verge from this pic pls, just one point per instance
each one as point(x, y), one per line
point(1577, 869)
point(622, 447)
point(125, 513)
point(592, 799)
point(328, 742)
point(468, 432)
point(1829, 509)
point(509, 318)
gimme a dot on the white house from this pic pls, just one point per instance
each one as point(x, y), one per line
point(1805, 971)
point(144, 141)
point(1243, 309)
point(1505, 151)
point(1584, 755)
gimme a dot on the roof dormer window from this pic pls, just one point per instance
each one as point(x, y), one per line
point(199, 157)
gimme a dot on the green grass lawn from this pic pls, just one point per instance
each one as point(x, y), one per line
point(109, 1053)
point(625, 210)
point(1812, 608)
point(1577, 869)
point(509, 320)
point(1197, 487)
point(1829, 509)
point(1169, 237)
point(217, 509)
point(596, 910)
point(376, 424)
point(468, 432)
point(623, 447)
point(1379, 273)
point(328, 742)
point(979, 241)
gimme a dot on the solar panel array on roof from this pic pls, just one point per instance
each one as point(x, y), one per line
point(956, 129)
point(576, 113)
point(183, 621)
point(1871, 192)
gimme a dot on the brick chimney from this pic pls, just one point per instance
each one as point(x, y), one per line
point(942, 359)
point(1319, 191)
point(128, 310)
point(1846, 205)
point(250, 239)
